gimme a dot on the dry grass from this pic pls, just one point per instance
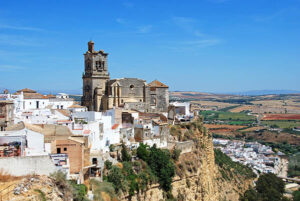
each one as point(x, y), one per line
point(223, 127)
point(253, 129)
point(243, 108)
point(6, 177)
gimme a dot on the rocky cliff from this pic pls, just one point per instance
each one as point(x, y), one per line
point(198, 177)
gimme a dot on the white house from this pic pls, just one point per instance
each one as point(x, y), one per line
point(34, 140)
point(28, 99)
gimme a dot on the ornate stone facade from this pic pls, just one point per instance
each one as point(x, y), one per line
point(100, 93)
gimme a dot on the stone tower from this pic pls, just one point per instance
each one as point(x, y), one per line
point(94, 79)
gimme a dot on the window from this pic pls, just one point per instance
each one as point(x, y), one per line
point(153, 100)
point(57, 106)
point(99, 65)
point(131, 87)
point(61, 107)
point(122, 101)
point(65, 148)
point(58, 150)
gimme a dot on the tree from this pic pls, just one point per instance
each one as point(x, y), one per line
point(116, 177)
point(162, 166)
point(268, 188)
point(296, 195)
point(250, 195)
point(143, 152)
point(176, 154)
point(108, 164)
point(125, 155)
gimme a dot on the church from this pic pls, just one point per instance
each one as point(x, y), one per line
point(100, 93)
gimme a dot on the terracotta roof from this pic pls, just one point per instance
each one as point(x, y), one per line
point(34, 96)
point(26, 90)
point(115, 126)
point(157, 83)
point(50, 96)
point(31, 94)
point(64, 112)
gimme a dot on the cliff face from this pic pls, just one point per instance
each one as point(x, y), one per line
point(198, 177)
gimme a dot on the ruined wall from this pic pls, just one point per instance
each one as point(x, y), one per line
point(185, 147)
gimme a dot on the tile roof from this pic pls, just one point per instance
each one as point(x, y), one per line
point(158, 84)
point(26, 90)
point(115, 126)
point(31, 94)
point(76, 106)
point(64, 112)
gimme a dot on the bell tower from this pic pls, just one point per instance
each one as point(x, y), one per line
point(94, 79)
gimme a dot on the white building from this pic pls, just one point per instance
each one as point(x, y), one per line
point(28, 99)
point(100, 128)
point(182, 108)
point(34, 140)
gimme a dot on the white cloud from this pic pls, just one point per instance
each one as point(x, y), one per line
point(17, 40)
point(270, 17)
point(121, 21)
point(144, 29)
point(22, 28)
point(10, 68)
point(202, 43)
point(188, 25)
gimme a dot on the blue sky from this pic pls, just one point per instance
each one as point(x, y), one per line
point(200, 45)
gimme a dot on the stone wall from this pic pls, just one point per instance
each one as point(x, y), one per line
point(20, 166)
point(185, 147)
point(140, 106)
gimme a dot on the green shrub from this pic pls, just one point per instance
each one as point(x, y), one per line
point(125, 155)
point(116, 177)
point(98, 187)
point(268, 188)
point(143, 152)
point(108, 164)
point(79, 191)
point(162, 166)
point(176, 154)
point(42, 195)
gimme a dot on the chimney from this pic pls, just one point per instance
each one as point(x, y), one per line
point(91, 46)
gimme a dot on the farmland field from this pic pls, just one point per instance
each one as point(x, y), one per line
point(241, 116)
point(281, 117)
point(282, 124)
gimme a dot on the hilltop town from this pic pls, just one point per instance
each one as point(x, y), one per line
point(128, 128)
